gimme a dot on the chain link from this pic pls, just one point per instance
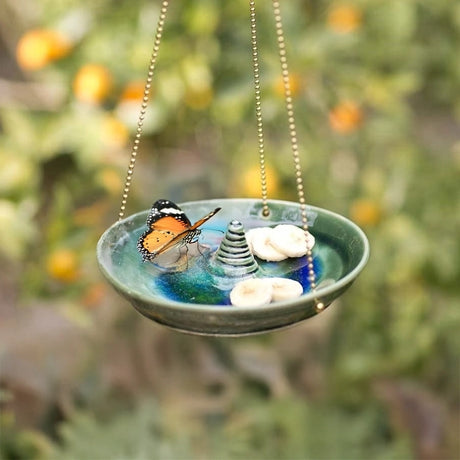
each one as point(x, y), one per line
point(290, 113)
point(260, 131)
point(294, 143)
point(145, 100)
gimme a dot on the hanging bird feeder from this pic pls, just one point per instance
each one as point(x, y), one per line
point(232, 267)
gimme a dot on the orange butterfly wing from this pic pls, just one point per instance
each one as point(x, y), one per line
point(162, 232)
point(168, 230)
point(170, 224)
point(189, 232)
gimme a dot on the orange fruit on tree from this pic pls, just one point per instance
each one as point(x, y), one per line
point(344, 18)
point(62, 265)
point(366, 212)
point(38, 47)
point(249, 181)
point(295, 85)
point(346, 117)
point(92, 83)
point(133, 91)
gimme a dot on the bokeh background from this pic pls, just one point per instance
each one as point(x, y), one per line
point(377, 99)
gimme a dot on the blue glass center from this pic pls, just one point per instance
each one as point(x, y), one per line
point(198, 284)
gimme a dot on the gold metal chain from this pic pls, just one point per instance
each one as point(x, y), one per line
point(294, 143)
point(260, 131)
point(145, 100)
point(290, 113)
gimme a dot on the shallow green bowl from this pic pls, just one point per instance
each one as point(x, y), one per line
point(341, 252)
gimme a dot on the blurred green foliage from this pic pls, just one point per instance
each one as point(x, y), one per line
point(376, 86)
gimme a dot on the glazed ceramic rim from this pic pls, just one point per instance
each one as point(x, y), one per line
point(230, 309)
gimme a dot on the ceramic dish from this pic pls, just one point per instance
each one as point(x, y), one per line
point(194, 300)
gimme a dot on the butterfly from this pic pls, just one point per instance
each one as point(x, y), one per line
point(168, 226)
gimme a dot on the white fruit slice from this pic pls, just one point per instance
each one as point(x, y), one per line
point(251, 293)
point(291, 240)
point(259, 240)
point(284, 288)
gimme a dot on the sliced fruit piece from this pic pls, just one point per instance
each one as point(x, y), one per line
point(259, 241)
point(291, 240)
point(251, 293)
point(285, 288)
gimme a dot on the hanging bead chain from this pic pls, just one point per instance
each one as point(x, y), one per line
point(145, 100)
point(294, 145)
point(260, 132)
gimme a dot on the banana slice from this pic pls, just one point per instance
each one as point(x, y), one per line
point(251, 293)
point(259, 240)
point(291, 240)
point(285, 288)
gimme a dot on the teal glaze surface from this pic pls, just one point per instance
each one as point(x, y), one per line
point(195, 299)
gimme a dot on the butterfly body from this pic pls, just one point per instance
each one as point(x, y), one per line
point(168, 226)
